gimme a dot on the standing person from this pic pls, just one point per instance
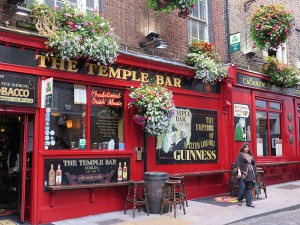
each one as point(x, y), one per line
point(246, 168)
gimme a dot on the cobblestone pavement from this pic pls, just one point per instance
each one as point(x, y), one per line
point(289, 217)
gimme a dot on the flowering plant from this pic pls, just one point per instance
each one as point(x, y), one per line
point(72, 34)
point(281, 75)
point(206, 59)
point(154, 107)
point(185, 7)
point(270, 26)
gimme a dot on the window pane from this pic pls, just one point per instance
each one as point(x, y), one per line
point(67, 121)
point(275, 105)
point(202, 7)
point(195, 12)
point(107, 119)
point(262, 133)
point(275, 134)
point(261, 104)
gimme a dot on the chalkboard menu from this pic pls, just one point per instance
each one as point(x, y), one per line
point(86, 170)
point(107, 122)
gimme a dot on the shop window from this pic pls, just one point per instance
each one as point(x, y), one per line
point(198, 22)
point(66, 126)
point(268, 128)
point(107, 118)
point(85, 5)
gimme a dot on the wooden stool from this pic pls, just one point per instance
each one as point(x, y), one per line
point(184, 195)
point(172, 195)
point(260, 180)
point(136, 195)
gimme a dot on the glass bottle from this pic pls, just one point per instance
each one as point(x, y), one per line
point(51, 179)
point(124, 171)
point(120, 171)
point(58, 175)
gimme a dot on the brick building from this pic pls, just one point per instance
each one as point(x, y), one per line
point(90, 140)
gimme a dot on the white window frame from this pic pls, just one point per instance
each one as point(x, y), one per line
point(281, 53)
point(80, 4)
point(197, 19)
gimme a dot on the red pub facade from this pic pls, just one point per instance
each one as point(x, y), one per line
point(73, 116)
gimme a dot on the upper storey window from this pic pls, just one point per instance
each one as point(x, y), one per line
point(85, 5)
point(198, 21)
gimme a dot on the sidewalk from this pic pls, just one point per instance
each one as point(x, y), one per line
point(281, 197)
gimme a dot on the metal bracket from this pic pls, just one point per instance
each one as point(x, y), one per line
point(248, 4)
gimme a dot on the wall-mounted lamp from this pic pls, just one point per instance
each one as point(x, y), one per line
point(19, 8)
point(247, 4)
point(69, 123)
point(251, 56)
point(154, 38)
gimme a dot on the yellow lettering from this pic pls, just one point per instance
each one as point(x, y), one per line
point(103, 71)
point(144, 77)
point(72, 66)
point(43, 60)
point(177, 82)
point(126, 73)
point(159, 79)
point(114, 74)
point(57, 64)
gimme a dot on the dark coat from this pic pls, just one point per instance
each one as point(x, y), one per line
point(241, 162)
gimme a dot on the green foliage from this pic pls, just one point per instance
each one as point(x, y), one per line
point(73, 34)
point(184, 7)
point(270, 26)
point(206, 59)
point(281, 75)
point(154, 107)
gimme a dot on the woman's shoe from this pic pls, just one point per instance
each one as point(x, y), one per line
point(252, 206)
point(239, 204)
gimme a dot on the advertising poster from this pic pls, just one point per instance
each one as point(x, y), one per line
point(242, 129)
point(193, 138)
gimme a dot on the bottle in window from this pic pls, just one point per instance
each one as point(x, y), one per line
point(58, 175)
point(124, 171)
point(120, 171)
point(51, 180)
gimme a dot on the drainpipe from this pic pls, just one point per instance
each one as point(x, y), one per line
point(228, 32)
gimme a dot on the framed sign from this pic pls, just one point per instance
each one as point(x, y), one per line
point(85, 170)
point(193, 138)
point(242, 128)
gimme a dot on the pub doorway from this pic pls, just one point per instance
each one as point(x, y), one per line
point(16, 141)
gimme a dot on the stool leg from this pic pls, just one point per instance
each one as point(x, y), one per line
point(185, 195)
point(134, 200)
point(127, 199)
point(145, 196)
point(174, 198)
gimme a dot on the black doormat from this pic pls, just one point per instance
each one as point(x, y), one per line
point(223, 200)
point(290, 186)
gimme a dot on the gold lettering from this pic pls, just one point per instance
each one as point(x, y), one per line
point(134, 76)
point(72, 66)
point(144, 77)
point(114, 74)
point(103, 71)
point(43, 60)
point(126, 73)
point(168, 82)
point(159, 79)
point(57, 64)
point(90, 68)
point(177, 82)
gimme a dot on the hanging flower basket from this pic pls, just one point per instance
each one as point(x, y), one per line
point(154, 106)
point(270, 26)
point(184, 7)
point(206, 59)
point(281, 75)
point(72, 34)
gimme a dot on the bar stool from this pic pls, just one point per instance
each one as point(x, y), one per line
point(260, 179)
point(136, 195)
point(184, 195)
point(170, 197)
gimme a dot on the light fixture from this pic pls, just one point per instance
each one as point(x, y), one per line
point(19, 8)
point(69, 123)
point(247, 4)
point(154, 38)
point(254, 58)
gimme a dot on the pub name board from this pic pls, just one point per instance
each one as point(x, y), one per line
point(18, 89)
point(259, 83)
